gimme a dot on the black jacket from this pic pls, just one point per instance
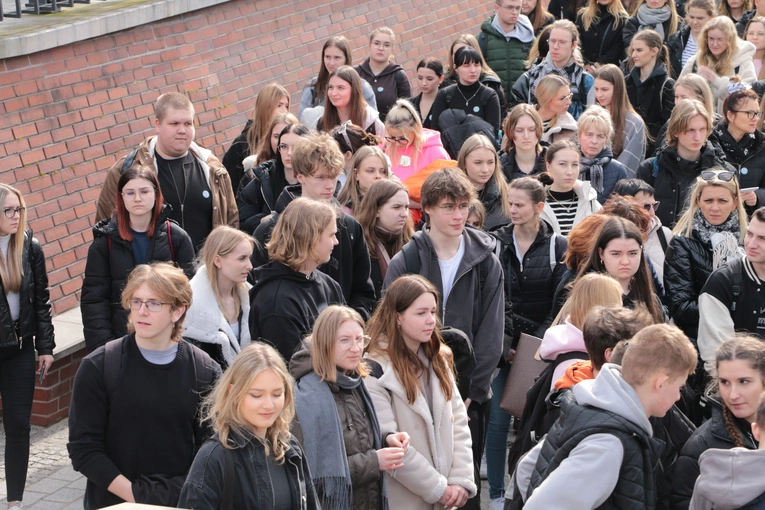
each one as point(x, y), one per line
point(676, 45)
point(652, 99)
point(232, 160)
point(484, 104)
point(350, 265)
point(712, 434)
point(750, 167)
point(493, 82)
point(510, 167)
point(456, 126)
point(284, 304)
point(561, 9)
point(687, 265)
point(633, 25)
point(252, 484)
point(491, 199)
point(34, 302)
point(602, 43)
point(531, 285)
point(744, 21)
point(257, 199)
point(672, 177)
point(108, 267)
point(390, 85)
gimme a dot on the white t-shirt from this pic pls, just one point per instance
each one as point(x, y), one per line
point(449, 270)
point(235, 329)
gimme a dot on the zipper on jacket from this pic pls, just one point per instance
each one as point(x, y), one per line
point(303, 497)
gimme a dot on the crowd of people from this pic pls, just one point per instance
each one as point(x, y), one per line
point(334, 320)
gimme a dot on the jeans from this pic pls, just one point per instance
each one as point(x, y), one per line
point(17, 387)
point(496, 437)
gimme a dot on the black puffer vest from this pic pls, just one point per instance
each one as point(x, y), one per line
point(636, 487)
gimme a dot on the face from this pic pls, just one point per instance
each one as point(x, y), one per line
point(479, 166)
point(522, 210)
point(642, 55)
point(339, 92)
point(370, 169)
point(564, 169)
point(449, 217)
point(327, 242)
point(10, 225)
point(508, 11)
point(285, 149)
point(525, 134)
point(404, 140)
point(621, 258)
point(319, 186)
point(427, 80)
point(561, 46)
point(560, 101)
point(716, 204)
point(469, 73)
point(754, 242)
point(695, 136)
point(668, 393)
point(527, 6)
point(717, 42)
point(656, 4)
point(740, 387)
point(696, 18)
point(381, 47)
point(644, 200)
point(349, 346)
point(756, 35)
point(473, 220)
point(684, 93)
point(740, 120)
point(393, 214)
point(139, 197)
point(333, 58)
point(153, 325)
point(235, 265)
point(175, 132)
point(283, 106)
point(264, 401)
point(418, 321)
point(275, 136)
point(604, 92)
point(592, 141)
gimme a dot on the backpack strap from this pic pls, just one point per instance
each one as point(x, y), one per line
point(737, 266)
point(411, 258)
point(203, 370)
point(553, 261)
point(112, 366)
point(483, 43)
point(662, 239)
point(661, 92)
point(655, 172)
point(128, 162)
point(170, 241)
point(229, 480)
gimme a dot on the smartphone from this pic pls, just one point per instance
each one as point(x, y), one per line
point(747, 190)
point(42, 372)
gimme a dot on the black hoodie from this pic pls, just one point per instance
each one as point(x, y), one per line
point(284, 304)
point(652, 99)
point(234, 157)
point(390, 85)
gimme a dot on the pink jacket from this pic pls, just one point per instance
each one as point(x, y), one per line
point(432, 149)
point(559, 340)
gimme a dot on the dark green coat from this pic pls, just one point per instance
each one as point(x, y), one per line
point(505, 57)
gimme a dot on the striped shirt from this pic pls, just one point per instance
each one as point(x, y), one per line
point(563, 205)
point(689, 50)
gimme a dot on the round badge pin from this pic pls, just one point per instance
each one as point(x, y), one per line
point(744, 171)
point(476, 109)
point(380, 89)
point(206, 194)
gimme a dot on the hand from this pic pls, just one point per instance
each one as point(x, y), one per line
point(459, 496)
point(749, 198)
point(122, 488)
point(390, 458)
point(398, 440)
point(447, 496)
point(467, 406)
point(264, 218)
point(707, 73)
point(48, 360)
point(511, 355)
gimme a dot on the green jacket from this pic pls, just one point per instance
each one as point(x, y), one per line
point(506, 57)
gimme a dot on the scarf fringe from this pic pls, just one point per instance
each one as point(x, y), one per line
point(335, 492)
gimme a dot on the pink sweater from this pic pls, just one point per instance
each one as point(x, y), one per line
point(432, 149)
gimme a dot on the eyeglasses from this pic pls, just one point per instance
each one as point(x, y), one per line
point(400, 141)
point(346, 343)
point(751, 114)
point(131, 194)
point(555, 42)
point(566, 98)
point(722, 175)
point(450, 208)
point(511, 8)
point(152, 306)
point(10, 212)
point(654, 206)
point(342, 129)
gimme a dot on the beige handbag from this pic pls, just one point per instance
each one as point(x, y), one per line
point(523, 372)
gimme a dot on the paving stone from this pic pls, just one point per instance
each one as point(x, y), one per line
point(64, 495)
point(48, 485)
point(67, 473)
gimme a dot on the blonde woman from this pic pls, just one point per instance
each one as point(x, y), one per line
point(368, 165)
point(553, 96)
point(720, 56)
point(388, 79)
point(26, 327)
point(478, 159)
point(349, 457)
point(657, 15)
point(250, 411)
point(755, 34)
point(216, 321)
point(683, 43)
point(600, 25)
point(597, 165)
point(735, 9)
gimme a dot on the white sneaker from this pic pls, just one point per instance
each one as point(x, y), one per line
point(497, 504)
point(484, 470)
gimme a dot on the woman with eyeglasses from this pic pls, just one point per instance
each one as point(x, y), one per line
point(755, 34)
point(257, 201)
point(707, 235)
point(744, 144)
point(682, 44)
point(348, 460)
point(138, 233)
point(553, 100)
point(25, 327)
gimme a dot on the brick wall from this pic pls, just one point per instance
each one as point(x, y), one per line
point(67, 114)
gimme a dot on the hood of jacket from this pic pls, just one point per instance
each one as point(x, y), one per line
point(523, 31)
point(610, 392)
point(478, 246)
point(389, 69)
point(561, 339)
point(659, 71)
point(744, 53)
point(301, 363)
point(655, 225)
point(670, 161)
point(730, 478)
point(288, 194)
point(430, 138)
point(563, 122)
point(575, 373)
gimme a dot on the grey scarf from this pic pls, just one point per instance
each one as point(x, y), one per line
point(724, 238)
point(595, 166)
point(572, 72)
point(653, 19)
point(324, 446)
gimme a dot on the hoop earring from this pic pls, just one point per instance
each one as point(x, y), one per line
point(602, 263)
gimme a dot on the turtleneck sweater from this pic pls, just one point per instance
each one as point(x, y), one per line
point(12, 297)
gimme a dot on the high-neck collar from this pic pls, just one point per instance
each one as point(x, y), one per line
point(469, 89)
point(5, 241)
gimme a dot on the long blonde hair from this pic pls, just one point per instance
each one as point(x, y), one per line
point(222, 241)
point(11, 269)
point(722, 65)
point(351, 195)
point(223, 405)
point(589, 290)
point(404, 116)
point(547, 88)
point(761, 21)
point(700, 88)
point(479, 141)
point(263, 113)
point(616, 9)
point(323, 341)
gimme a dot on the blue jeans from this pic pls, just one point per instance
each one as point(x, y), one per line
point(496, 437)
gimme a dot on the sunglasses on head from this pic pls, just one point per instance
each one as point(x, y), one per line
point(722, 175)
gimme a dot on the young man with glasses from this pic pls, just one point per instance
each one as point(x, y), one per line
point(140, 395)
point(562, 60)
point(505, 41)
point(461, 264)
